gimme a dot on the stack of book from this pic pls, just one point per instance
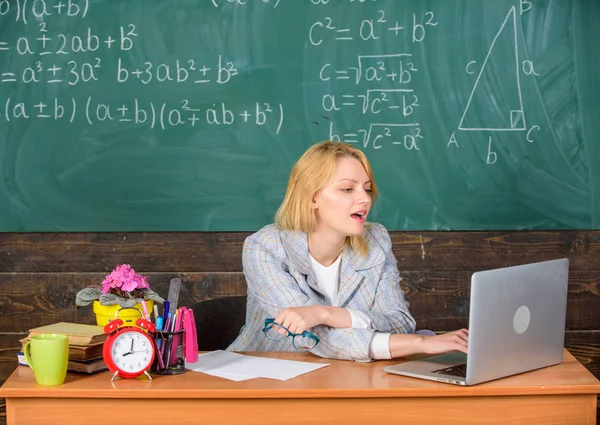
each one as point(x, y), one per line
point(85, 345)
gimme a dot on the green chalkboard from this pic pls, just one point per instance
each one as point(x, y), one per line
point(188, 115)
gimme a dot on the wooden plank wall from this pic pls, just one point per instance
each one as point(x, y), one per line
point(40, 273)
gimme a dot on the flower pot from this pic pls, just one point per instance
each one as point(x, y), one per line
point(106, 313)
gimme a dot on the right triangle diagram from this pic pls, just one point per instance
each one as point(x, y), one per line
point(496, 103)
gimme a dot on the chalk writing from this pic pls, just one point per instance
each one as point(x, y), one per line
point(152, 114)
point(377, 86)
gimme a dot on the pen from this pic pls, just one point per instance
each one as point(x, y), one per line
point(172, 339)
point(155, 313)
point(167, 360)
point(177, 339)
point(173, 321)
point(167, 323)
point(161, 353)
point(165, 311)
point(161, 364)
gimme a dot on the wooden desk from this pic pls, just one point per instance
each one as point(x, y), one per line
point(344, 392)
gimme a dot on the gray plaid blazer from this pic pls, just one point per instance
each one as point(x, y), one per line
point(279, 275)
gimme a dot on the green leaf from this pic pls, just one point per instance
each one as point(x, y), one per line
point(112, 299)
point(86, 296)
point(149, 294)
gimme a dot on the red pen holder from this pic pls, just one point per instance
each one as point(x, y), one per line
point(169, 358)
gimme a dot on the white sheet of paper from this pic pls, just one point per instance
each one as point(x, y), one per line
point(239, 367)
point(230, 376)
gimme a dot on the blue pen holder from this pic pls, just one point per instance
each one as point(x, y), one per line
point(169, 359)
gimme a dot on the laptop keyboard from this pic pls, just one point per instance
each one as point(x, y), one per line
point(458, 370)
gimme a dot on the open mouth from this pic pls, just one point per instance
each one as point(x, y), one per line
point(359, 216)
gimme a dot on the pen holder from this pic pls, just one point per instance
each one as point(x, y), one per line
point(169, 353)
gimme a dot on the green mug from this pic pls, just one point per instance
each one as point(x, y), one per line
point(48, 356)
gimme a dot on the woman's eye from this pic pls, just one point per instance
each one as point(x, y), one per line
point(349, 189)
point(369, 190)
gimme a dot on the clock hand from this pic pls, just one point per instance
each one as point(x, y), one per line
point(130, 350)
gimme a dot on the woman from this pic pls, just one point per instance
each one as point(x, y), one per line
point(322, 268)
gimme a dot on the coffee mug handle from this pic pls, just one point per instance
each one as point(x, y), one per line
point(27, 352)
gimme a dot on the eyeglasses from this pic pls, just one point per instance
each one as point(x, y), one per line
point(276, 332)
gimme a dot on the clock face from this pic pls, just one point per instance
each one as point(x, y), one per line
point(131, 351)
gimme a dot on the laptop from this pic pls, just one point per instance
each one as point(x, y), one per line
point(516, 324)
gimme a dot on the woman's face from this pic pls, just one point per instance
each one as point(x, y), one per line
point(342, 205)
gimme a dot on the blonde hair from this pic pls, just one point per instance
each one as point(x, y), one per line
point(310, 174)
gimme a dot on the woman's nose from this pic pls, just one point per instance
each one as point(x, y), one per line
point(364, 197)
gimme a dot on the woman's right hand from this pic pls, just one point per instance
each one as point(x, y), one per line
point(451, 341)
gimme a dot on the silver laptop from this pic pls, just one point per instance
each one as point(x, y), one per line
point(516, 324)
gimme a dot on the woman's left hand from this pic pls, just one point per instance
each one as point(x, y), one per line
point(299, 319)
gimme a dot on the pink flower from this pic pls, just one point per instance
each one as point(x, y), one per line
point(124, 278)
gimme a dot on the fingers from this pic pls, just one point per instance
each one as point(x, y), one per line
point(292, 320)
point(463, 334)
point(451, 341)
point(295, 324)
point(461, 337)
point(461, 340)
point(281, 320)
point(289, 320)
point(463, 349)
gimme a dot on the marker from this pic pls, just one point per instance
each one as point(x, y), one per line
point(146, 315)
point(159, 327)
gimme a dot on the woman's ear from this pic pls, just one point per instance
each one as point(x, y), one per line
point(313, 203)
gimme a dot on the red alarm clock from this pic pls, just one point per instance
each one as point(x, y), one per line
point(129, 351)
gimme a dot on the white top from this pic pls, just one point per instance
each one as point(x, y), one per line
point(328, 280)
